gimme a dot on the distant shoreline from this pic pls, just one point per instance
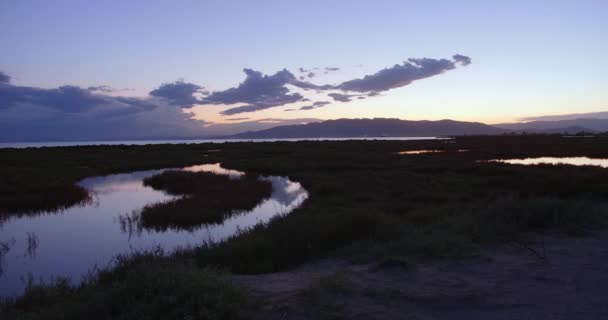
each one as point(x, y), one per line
point(39, 144)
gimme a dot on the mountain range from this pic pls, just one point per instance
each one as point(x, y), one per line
point(382, 127)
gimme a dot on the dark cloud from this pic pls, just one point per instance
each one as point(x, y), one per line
point(237, 119)
point(30, 113)
point(136, 102)
point(4, 78)
point(70, 99)
point(402, 74)
point(86, 113)
point(342, 97)
point(317, 104)
point(257, 92)
point(270, 102)
point(74, 113)
point(106, 89)
point(311, 75)
point(310, 86)
point(463, 60)
point(65, 98)
point(291, 109)
point(389, 78)
point(179, 93)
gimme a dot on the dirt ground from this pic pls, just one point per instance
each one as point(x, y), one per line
point(555, 277)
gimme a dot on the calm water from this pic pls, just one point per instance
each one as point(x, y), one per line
point(575, 161)
point(146, 142)
point(71, 242)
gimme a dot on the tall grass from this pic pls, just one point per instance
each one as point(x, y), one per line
point(141, 286)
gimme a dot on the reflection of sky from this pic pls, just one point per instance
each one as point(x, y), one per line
point(576, 161)
point(215, 168)
point(72, 242)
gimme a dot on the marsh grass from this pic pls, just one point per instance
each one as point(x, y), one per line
point(205, 198)
point(140, 286)
point(33, 180)
point(364, 202)
point(31, 200)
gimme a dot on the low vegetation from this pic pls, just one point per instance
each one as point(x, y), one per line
point(368, 203)
point(33, 180)
point(142, 286)
point(204, 198)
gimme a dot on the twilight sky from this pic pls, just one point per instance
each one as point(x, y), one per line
point(98, 69)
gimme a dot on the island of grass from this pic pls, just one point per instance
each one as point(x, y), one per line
point(204, 197)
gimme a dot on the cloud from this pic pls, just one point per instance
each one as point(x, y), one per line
point(70, 99)
point(401, 75)
point(257, 92)
point(572, 116)
point(315, 105)
point(75, 113)
point(342, 97)
point(72, 112)
point(237, 119)
point(179, 93)
point(463, 60)
point(104, 88)
point(4, 78)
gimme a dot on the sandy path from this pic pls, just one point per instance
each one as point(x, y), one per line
point(503, 282)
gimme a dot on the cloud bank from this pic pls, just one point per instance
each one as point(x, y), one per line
point(258, 91)
point(76, 114)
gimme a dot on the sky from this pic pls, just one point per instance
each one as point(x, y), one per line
point(105, 69)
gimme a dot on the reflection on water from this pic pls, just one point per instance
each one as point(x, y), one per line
point(575, 161)
point(427, 151)
point(215, 168)
point(74, 241)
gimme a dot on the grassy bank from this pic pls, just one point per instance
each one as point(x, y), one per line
point(369, 203)
point(205, 198)
point(37, 179)
point(142, 286)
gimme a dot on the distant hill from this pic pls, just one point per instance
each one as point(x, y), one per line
point(570, 125)
point(378, 127)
